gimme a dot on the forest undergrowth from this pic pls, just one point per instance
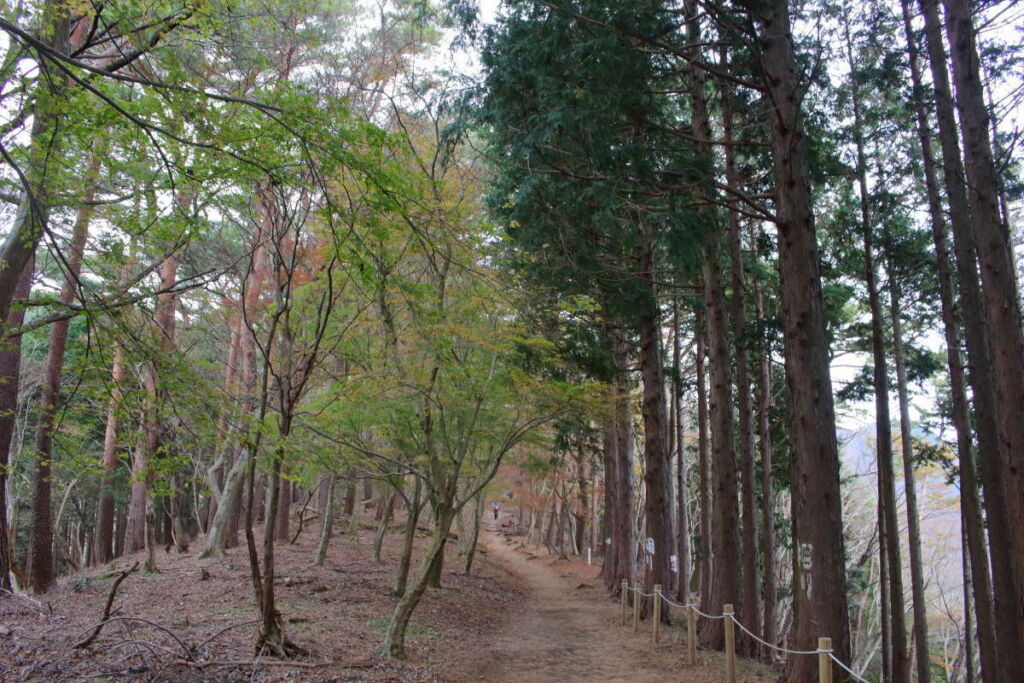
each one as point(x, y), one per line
point(176, 625)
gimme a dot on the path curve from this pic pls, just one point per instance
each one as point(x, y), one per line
point(570, 632)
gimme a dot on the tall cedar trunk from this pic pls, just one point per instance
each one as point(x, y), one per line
point(885, 604)
point(657, 466)
point(970, 503)
point(682, 488)
point(618, 558)
point(725, 578)
point(965, 567)
point(703, 464)
point(769, 586)
point(621, 550)
point(1008, 622)
point(412, 517)
point(10, 364)
point(105, 517)
point(610, 566)
point(725, 518)
point(883, 422)
point(819, 578)
point(41, 564)
point(749, 598)
point(909, 486)
point(999, 291)
point(582, 502)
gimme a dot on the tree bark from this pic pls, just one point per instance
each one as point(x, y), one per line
point(682, 487)
point(657, 465)
point(1006, 596)
point(105, 521)
point(703, 463)
point(10, 375)
point(1000, 297)
point(394, 641)
point(41, 562)
point(412, 517)
point(326, 522)
point(769, 587)
point(970, 503)
point(819, 582)
point(910, 487)
point(883, 421)
point(749, 597)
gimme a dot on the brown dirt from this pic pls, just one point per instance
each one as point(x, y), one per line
point(338, 612)
point(521, 616)
point(570, 631)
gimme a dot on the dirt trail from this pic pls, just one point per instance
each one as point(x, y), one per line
point(571, 631)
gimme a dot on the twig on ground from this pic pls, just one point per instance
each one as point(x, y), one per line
point(106, 610)
point(253, 662)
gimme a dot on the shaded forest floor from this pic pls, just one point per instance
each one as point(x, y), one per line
point(338, 612)
point(522, 616)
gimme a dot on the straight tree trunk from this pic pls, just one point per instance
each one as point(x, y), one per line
point(621, 551)
point(1000, 297)
point(748, 596)
point(657, 465)
point(326, 523)
point(769, 586)
point(105, 518)
point(970, 503)
point(725, 579)
point(703, 464)
point(910, 487)
point(725, 546)
point(41, 562)
point(883, 422)
point(1008, 628)
point(10, 374)
point(819, 580)
point(284, 506)
point(682, 488)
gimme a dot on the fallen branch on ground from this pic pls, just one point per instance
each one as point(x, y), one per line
point(106, 610)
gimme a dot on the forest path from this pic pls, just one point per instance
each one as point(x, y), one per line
point(570, 631)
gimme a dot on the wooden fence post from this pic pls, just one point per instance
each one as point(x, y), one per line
point(625, 600)
point(657, 612)
point(824, 663)
point(636, 610)
point(730, 645)
point(691, 634)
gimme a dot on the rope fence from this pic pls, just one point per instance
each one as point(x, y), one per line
point(826, 658)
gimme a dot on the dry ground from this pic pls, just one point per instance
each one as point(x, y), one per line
point(521, 616)
point(570, 631)
point(338, 612)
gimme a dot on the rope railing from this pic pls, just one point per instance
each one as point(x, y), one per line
point(826, 658)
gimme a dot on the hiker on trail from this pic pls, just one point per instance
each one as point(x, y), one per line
point(495, 506)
